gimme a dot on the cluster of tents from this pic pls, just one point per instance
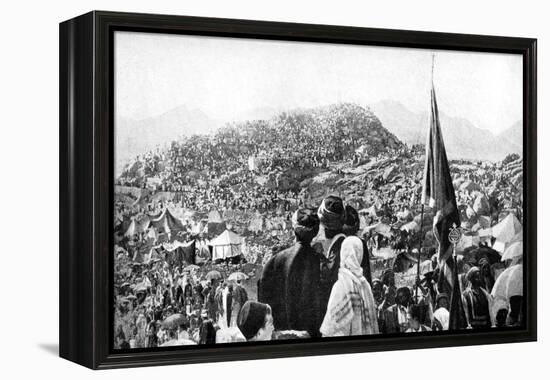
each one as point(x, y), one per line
point(166, 232)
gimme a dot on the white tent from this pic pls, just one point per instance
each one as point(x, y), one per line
point(132, 229)
point(228, 244)
point(214, 217)
point(411, 226)
point(507, 229)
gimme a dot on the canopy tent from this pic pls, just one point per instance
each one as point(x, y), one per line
point(509, 283)
point(226, 245)
point(181, 253)
point(214, 216)
point(507, 229)
point(132, 229)
point(514, 249)
point(215, 222)
point(506, 232)
point(167, 223)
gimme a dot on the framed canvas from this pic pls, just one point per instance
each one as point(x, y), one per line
point(235, 189)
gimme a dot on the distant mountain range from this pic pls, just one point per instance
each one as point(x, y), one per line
point(135, 137)
point(462, 138)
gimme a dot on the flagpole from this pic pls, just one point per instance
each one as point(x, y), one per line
point(422, 217)
point(419, 251)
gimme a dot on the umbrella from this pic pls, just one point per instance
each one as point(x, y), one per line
point(509, 283)
point(514, 250)
point(237, 276)
point(213, 275)
point(174, 321)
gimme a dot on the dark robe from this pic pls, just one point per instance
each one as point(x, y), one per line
point(330, 265)
point(166, 299)
point(365, 263)
point(389, 323)
point(289, 283)
point(477, 308)
point(211, 304)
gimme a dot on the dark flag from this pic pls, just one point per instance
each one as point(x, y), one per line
point(439, 194)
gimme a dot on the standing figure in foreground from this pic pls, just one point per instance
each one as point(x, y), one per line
point(351, 227)
point(290, 279)
point(331, 216)
point(233, 298)
point(478, 301)
point(395, 318)
point(351, 309)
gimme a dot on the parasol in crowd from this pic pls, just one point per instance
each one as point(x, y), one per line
point(237, 276)
point(509, 283)
point(514, 250)
point(191, 267)
point(173, 321)
point(213, 275)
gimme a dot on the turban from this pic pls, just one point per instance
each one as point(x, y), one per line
point(405, 291)
point(471, 272)
point(331, 213)
point(252, 318)
point(306, 224)
point(351, 221)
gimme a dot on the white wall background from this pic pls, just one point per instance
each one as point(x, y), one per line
point(29, 186)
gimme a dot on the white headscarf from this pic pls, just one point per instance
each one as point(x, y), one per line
point(341, 309)
point(351, 255)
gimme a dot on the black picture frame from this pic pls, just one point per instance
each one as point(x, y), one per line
point(86, 185)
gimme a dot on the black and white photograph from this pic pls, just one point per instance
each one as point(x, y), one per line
point(284, 190)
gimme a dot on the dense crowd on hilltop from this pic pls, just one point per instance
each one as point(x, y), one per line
point(258, 178)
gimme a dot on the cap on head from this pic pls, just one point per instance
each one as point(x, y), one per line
point(252, 318)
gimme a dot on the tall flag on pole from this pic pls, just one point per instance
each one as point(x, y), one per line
point(439, 194)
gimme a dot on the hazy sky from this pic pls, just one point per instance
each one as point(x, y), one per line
point(226, 77)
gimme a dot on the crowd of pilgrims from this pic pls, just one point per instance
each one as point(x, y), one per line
point(321, 286)
point(206, 168)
